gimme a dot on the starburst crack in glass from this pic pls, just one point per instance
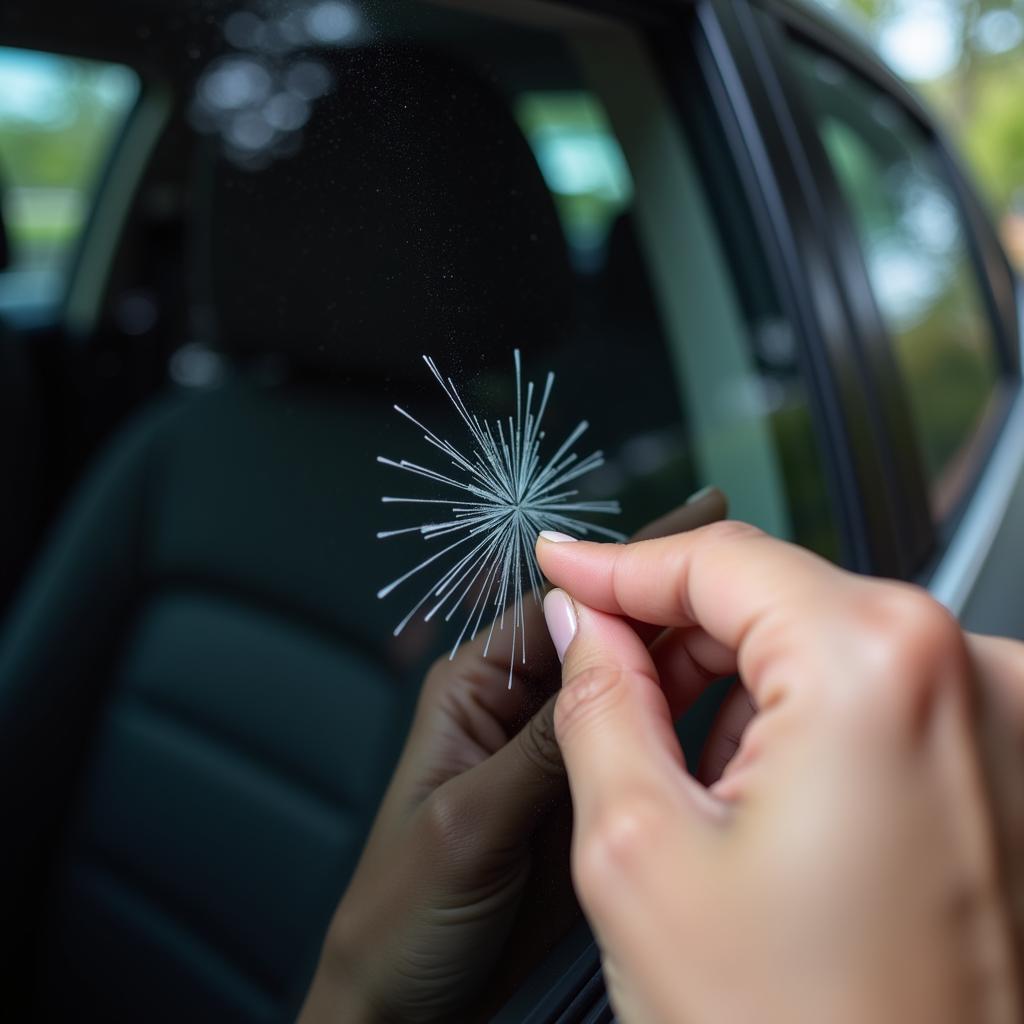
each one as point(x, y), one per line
point(505, 495)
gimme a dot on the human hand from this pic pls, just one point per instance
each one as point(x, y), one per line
point(465, 876)
point(861, 857)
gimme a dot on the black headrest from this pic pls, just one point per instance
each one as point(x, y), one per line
point(626, 286)
point(412, 218)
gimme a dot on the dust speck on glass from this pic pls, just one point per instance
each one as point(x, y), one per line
point(506, 494)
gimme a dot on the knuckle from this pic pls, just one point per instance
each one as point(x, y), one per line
point(442, 822)
point(617, 845)
point(437, 678)
point(540, 745)
point(732, 530)
point(916, 648)
point(923, 633)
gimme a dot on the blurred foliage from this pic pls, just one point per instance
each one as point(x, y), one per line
point(58, 119)
point(973, 78)
point(62, 151)
point(582, 163)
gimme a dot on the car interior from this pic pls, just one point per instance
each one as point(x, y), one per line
point(277, 209)
point(201, 698)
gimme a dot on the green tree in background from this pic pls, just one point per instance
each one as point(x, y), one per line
point(967, 58)
point(58, 117)
point(60, 146)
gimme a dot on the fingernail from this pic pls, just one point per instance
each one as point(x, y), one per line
point(699, 495)
point(555, 537)
point(560, 615)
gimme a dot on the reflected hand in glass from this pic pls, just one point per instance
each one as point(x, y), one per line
point(464, 880)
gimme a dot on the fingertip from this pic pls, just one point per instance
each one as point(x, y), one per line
point(549, 543)
point(554, 537)
point(568, 562)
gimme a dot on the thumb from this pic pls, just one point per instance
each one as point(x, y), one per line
point(612, 720)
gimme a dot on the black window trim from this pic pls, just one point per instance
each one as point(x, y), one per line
point(768, 141)
point(711, 72)
point(894, 428)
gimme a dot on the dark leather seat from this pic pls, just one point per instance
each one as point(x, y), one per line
point(200, 698)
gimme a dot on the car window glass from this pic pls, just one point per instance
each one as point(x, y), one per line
point(59, 117)
point(918, 260)
point(636, 342)
point(317, 204)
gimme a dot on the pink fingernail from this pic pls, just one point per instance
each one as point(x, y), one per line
point(555, 537)
point(560, 615)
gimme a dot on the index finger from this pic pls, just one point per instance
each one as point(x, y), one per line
point(725, 578)
point(485, 659)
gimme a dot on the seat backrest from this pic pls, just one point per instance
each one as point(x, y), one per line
point(200, 697)
point(20, 446)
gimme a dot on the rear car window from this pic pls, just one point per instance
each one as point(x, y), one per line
point(917, 254)
point(59, 117)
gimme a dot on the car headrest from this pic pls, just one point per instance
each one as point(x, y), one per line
point(412, 218)
point(626, 286)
